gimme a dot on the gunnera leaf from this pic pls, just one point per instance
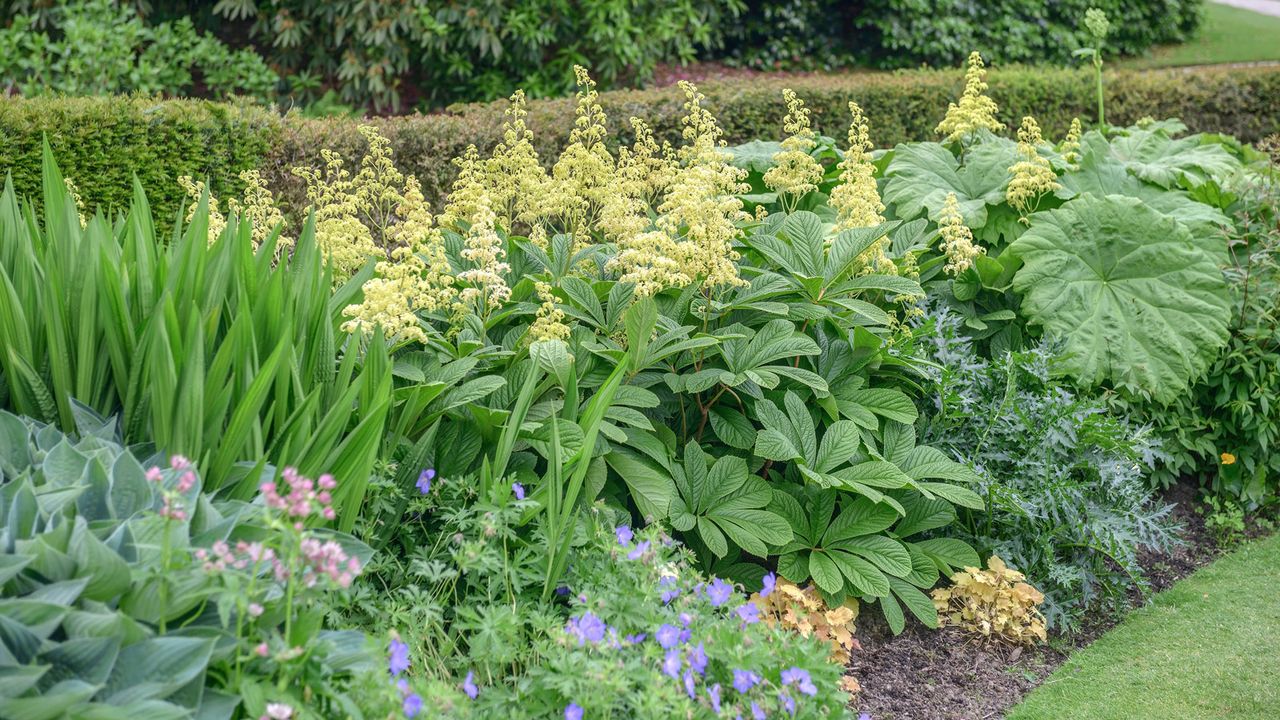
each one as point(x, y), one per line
point(1136, 302)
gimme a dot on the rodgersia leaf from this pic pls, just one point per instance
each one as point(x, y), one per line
point(1137, 303)
point(923, 174)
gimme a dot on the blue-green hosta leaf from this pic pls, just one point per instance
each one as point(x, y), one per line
point(17, 679)
point(1137, 303)
point(922, 174)
point(53, 704)
point(1158, 158)
point(87, 659)
point(153, 669)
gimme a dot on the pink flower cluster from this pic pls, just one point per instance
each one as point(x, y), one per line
point(173, 508)
point(244, 556)
point(303, 499)
point(327, 559)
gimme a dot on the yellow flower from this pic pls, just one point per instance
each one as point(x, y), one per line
point(856, 200)
point(195, 189)
point(975, 111)
point(74, 192)
point(1033, 176)
point(582, 177)
point(514, 175)
point(549, 323)
point(1228, 459)
point(259, 209)
point(466, 192)
point(957, 238)
point(345, 241)
point(794, 170)
point(1070, 147)
point(485, 250)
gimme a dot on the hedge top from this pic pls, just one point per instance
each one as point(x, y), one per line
point(102, 142)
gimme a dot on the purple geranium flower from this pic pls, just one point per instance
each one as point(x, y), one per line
point(748, 613)
point(698, 659)
point(412, 705)
point(670, 591)
point(399, 660)
point(689, 683)
point(714, 694)
point(757, 712)
point(572, 711)
point(668, 636)
point(800, 678)
point(671, 664)
point(638, 551)
point(424, 480)
point(518, 489)
point(469, 685)
point(788, 702)
point(624, 534)
point(719, 592)
point(588, 629)
point(744, 680)
point(769, 581)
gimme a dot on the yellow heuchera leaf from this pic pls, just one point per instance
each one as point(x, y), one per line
point(802, 610)
point(992, 602)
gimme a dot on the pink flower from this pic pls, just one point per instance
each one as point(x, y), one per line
point(262, 650)
point(255, 610)
point(277, 711)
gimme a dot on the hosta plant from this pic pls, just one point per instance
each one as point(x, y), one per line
point(127, 592)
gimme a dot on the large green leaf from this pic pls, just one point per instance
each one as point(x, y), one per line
point(1135, 301)
point(923, 174)
point(1155, 157)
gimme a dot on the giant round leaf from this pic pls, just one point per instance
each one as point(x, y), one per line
point(1136, 302)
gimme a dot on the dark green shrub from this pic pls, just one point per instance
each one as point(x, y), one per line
point(101, 47)
point(383, 53)
point(102, 143)
point(906, 33)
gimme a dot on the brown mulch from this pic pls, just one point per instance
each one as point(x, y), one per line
point(944, 674)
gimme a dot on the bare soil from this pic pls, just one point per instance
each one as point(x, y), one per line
point(945, 674)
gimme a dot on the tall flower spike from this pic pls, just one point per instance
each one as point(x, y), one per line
point(975, 111)
point(483, 248)
point(259, 208)
point(794, 170)
point(515, 175)
point(1070, 147)
point(957, 238)
point(467, 191)
point(343, 239)
point(74, 192)
point(377, 186)
point(856, 199)
point(1032, 175)
point(702, 208)
point(584, 173)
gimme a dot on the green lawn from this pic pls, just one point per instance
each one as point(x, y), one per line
point(1229, 35)
point(1209, 647)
